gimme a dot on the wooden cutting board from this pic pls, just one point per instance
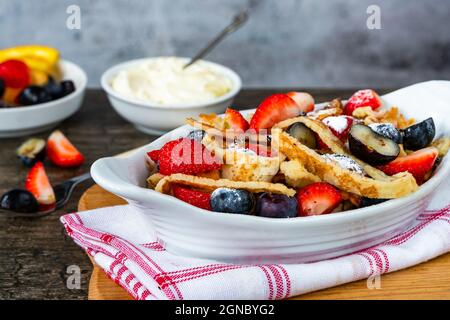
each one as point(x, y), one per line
point(430, 280)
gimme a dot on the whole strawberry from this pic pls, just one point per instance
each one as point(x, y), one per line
point(362, 98)
point(15, 73)
point(186, 156)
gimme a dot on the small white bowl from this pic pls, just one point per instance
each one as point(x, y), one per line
point(158, 119)
point(187, 230)
point(21, 121)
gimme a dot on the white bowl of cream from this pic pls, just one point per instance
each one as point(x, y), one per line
point(157, 94)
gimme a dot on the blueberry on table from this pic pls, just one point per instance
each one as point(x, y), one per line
point(32, 151)
point(2, 88)
point(232, 201)
point(34, 95)
point(420, 135)
point(369, 146)
point(274, 205)
point(19, 201)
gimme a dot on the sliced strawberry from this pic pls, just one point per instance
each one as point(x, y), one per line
point(234, 120)
point(61, 152)
point(273, 109)
point(362, 98)
point(194, 197)
point(186, 156)
point(339, 125)
point(154, 155)
point(303, 100)
point(15, 73)
point(317, 198)
point(38, 184)
point(320, 144)
point(418, 163)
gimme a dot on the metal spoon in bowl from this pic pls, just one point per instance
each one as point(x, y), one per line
point(62, 191)
point(237, 22)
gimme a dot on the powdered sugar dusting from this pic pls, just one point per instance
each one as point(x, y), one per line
point(339, 123)
point(238, 148)
point(385, 129)
point(345, 162)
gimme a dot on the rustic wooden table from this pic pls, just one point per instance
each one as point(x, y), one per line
point(35, 253)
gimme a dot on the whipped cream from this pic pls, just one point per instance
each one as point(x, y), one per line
point(164, 81)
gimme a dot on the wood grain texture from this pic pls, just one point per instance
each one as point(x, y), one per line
point(430, 280)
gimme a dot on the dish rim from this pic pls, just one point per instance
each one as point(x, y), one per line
point(112, 71)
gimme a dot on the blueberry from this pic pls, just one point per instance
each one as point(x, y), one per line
point(31, 151)
point(53, 88)
point(232, 201)
point(367, 202)
point(67, 86)
point(420, 135)
point(387, 130)
point(59, 90)
point(2, 88)
point(371, 147)
point(34, 95)
point(196, 135)
point(274, 205)
point(19, 201)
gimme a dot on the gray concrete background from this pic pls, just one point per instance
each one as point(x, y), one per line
point(311, 43)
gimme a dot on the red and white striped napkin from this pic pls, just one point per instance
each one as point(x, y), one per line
point(130, 256)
